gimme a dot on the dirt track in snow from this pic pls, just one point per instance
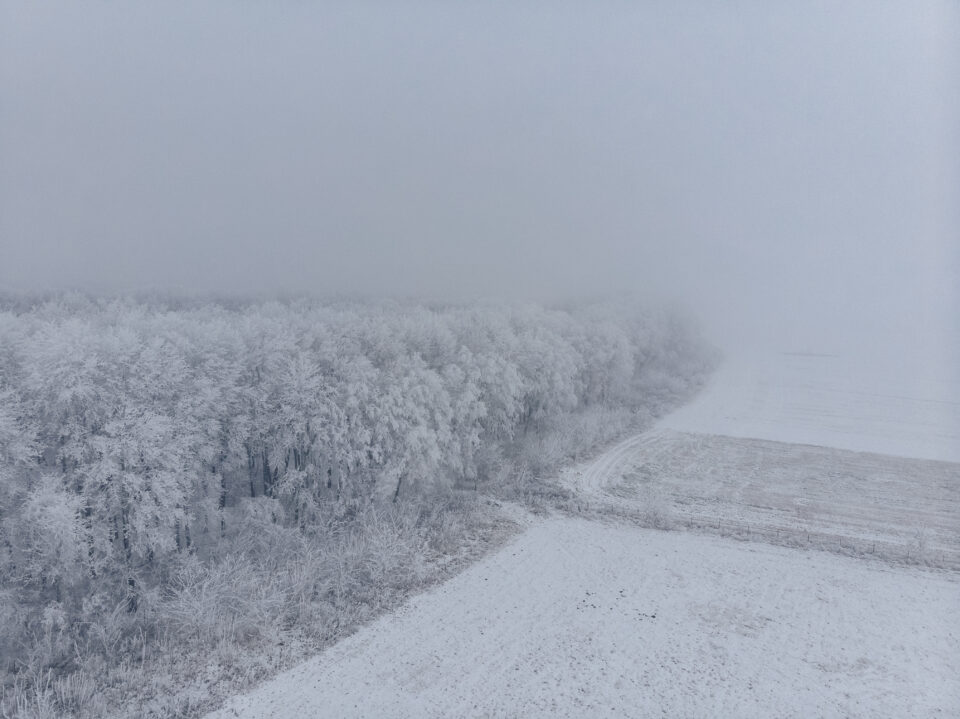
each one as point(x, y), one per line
point(855, 503)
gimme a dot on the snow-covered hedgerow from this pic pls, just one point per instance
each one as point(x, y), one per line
point(140, 440)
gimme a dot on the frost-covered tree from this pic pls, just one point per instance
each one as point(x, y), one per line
point(140, 440)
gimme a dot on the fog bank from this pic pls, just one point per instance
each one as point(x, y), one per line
point(789, 172)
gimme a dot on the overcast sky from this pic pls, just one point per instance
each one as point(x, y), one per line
point(791, 171)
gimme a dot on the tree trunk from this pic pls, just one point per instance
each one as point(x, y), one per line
point(267, 481)
point(251, 466)
point(222, 504)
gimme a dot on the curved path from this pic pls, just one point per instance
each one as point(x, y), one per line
point(593, 477)
point(895, 506)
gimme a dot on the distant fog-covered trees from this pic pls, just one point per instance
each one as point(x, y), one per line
point(136, 433)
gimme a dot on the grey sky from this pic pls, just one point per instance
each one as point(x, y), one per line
point(790, 170)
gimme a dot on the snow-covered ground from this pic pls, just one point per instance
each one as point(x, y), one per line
point(584, 618)
point(856, 503)
point(578, 618)
point(848, 402)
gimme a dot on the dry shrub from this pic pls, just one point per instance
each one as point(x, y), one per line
point(226, 600)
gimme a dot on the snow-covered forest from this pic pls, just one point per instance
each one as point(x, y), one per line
point(185, 474)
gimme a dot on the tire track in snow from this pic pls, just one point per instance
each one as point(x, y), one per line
point(888, 507)
point(596, 476)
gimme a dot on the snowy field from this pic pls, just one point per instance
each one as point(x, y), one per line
point(853, 403)
point(608, 618)
point(579, 618)
point(855, 503)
